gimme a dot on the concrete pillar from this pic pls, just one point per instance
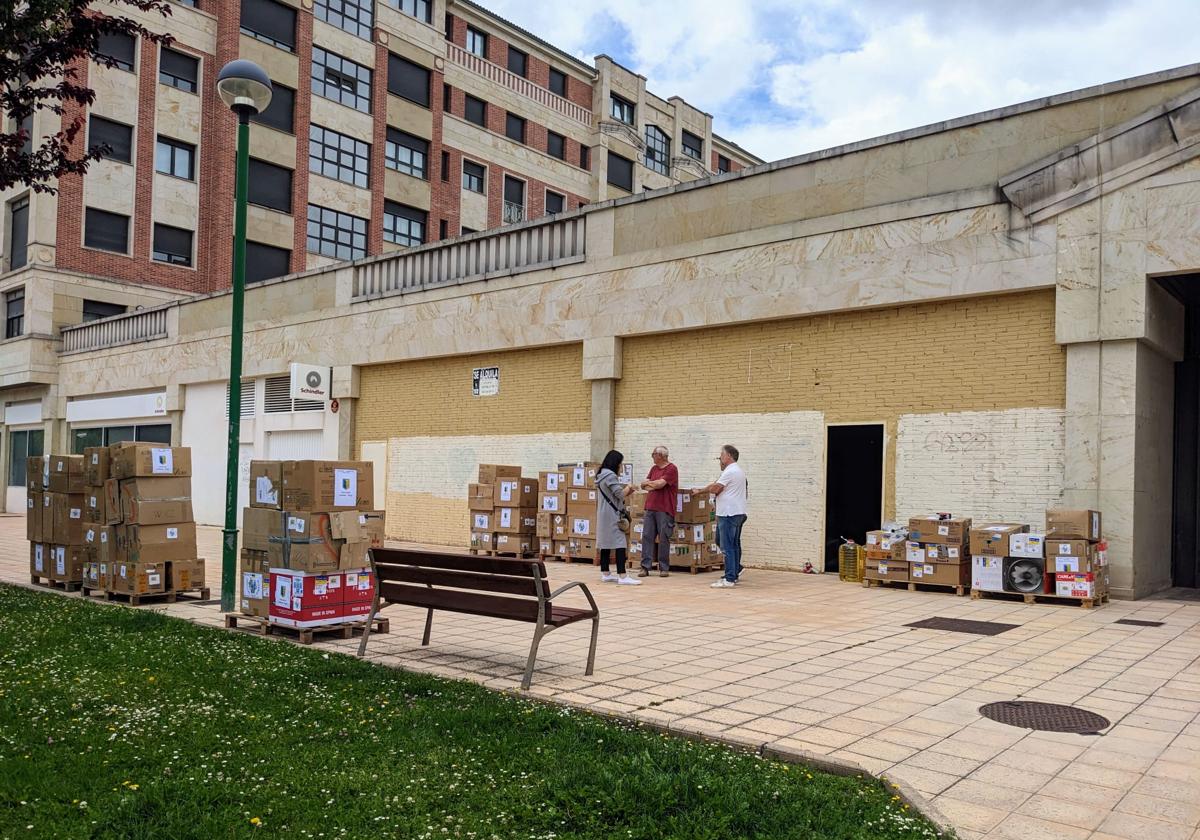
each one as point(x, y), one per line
point(345, 389)
point(602, 367)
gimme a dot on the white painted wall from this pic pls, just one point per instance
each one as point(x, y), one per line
point(783, 455)
point(996, 465)
point(204, 426)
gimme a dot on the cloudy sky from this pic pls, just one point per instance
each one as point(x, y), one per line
point(785, 78)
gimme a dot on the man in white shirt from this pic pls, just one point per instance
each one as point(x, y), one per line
point(731, 491)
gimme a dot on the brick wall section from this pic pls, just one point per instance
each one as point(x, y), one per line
point(379, 96)
point(301, 115)
point(218, 151)
point(69, 223)
point(540, 391)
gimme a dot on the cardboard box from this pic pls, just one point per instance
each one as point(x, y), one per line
point(516, 543)
point(515, 492)
point(930, 529)
point(323, 486)
point(300, 599)
point(482, 520)
point(987, 573)
point(581, 474)
point(66, 474)
point(886, 570)
point(47, 516)
point(94, 504)
point(511, 520)
point(185, 574)
point(942, 574)
point(66, 563)
point(584, 549)
point(695, 508)
point(936, 553)
point(553, 481)
point(266, 484)
point(373, 525)
point(545, 546)
point(491, 473)
point(581, 497)
point(1073, 563)
point(1070, 585)
point(156, 512)
point(100, 540)
point(37, 472)
point(33, 516)
point(482, 540)
point(130, 460)
point(142, 544)
point(552, 502)
point(562, 548)
point(258, 524)
point(112, 502)
point(318, 542)
point(914, 552)
point(39, 560)
point(1028, 545)
point(91, 574)
point(1067, 548)
point(358, 589)
point(697, 534)
point(137, 493)
point(897, 550)
point(552, 525)
point(634, 553)
point(67, 516)
point(582, 526)
point(1073, 524)
point(479, 496)
point(991, 539)
point(95, 466)
point(636, 502)
point(256, 593)
point(884, 540)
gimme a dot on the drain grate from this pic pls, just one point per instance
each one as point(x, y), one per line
point(1045, 717)
point(962, 625)
point(1137, 622)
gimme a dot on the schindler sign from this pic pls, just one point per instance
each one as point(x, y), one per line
point(309, 382)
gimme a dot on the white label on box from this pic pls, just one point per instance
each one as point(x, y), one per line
point(364, 582)
point(29, 503)
point(153, 578)
point(928, 569)
point(90, 536)
point(1067, 564)
point(103, 537)
point(265, 492)
point(46, 500)
point(481, 520)
point(76, 513)
point(252, 584)
point(172, 533)
point(933, 552)
point(162, 461)
point(872, 539)
point(92, 503)
point(362, 519)
point(60, 564)
point(882, 568)
point(351, 578)
point(335, 581)
point(123, 570)
point(698, 533)
point(505, 517)
point(577, 476)
point(60, 467)
point(37, 553)
point(1064, 548)
point(296, 603)
point(320, 586)
point(95, 457)
point(581, 527)
point(943, 530)
point(550, 503)
point(345, 488)
point(506, 490)
point(1095, 524)
point(296, 524)
point(283, 590)
point(952, 551)
point(552, 481)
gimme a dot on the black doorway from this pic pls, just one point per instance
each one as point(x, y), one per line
point(853, 486)
point(1185, 525)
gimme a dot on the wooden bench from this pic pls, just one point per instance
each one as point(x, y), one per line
point(495, 587)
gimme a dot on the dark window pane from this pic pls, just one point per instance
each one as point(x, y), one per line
point(82, 439)
point(408, 80)
point(622, 109)
point(271, 22)
point(445, 166)
point(476, 111)
point(93, 310)
point(336, 234)
point(14, 303)
point(339, 156)
point(420, 9)
point(693, 146)
point(403, 225)
point(473, 176)
point(175, 158)
point(172, 245)
point(22, 445)
point(722, 163)
point(556, 145)
point(118, 434)
point(558, 82)
point(158, 433)
point(340, 79)
point(555, 203)
point(178, 70)
point(585, 157)
point(446, 98)
point(514, 190)
point(279, 112)
point(106, 231)
point(658, 150)
point(115, 135)
point(476, 42)
point(406, 153)
point(354, 16)
point(119, 47)
point(18, 233)
point(265, 261)
point(517, 61)
point(270, 185)
point(620, 171)
point(514, 128)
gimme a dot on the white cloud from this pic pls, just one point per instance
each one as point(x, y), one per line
point(786, 78)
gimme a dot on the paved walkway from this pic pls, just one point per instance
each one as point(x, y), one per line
point(806, 662)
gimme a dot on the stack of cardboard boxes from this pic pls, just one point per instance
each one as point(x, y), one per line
point(116, 519)
point(885, 554)
point(935, 550)
point(306, 538)
point(1076, 555)
point(693, 542)
point(1066, 559)
point(503, 511)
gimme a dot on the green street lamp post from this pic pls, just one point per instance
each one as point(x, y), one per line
point(246, 89)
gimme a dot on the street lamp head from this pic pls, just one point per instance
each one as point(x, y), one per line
point(244, 86)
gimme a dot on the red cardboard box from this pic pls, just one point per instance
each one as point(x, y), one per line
point(300, 599)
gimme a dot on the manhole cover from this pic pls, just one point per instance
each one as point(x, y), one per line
point(962, 625)
point(1045, 717)
point(1137, 622)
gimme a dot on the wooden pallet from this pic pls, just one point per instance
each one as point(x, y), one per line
point(136, 600)
point(304, 635)
point(62, 585)
point(1041, 598)
point(959, 589)
point(491, 552)
point(197, 593)
point(559, 557)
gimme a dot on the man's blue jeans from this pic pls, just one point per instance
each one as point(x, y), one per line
point(729, 537)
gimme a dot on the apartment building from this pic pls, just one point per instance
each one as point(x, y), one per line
point(393, 123)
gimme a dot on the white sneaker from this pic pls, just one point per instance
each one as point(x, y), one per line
point(608, 577)
point(723, 584)
point(629, 581)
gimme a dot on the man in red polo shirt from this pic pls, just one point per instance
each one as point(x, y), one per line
point(663, 483)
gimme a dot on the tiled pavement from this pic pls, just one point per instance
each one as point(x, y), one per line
point(807, 662)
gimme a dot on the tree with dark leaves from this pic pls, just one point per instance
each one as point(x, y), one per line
point(41, 43)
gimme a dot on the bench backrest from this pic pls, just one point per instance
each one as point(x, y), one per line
point(498, 587)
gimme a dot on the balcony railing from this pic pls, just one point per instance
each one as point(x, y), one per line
point(117, 330)
point(530, 247)
point(513, 212)
point(499, 75)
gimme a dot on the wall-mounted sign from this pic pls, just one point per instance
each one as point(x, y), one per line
point(485, 382)
point(309, 382)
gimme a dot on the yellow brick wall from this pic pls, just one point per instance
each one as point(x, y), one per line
point(973, 354)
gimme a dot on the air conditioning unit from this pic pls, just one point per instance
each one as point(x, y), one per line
point(1025, 575)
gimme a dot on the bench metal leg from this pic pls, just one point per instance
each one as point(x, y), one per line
point(428, 627)
point(533, 649)
point(362, 646)
point(591, 665)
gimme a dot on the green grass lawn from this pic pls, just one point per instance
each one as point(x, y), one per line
point(122, 723)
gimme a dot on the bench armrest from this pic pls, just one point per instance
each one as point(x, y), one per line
point(586, 593)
